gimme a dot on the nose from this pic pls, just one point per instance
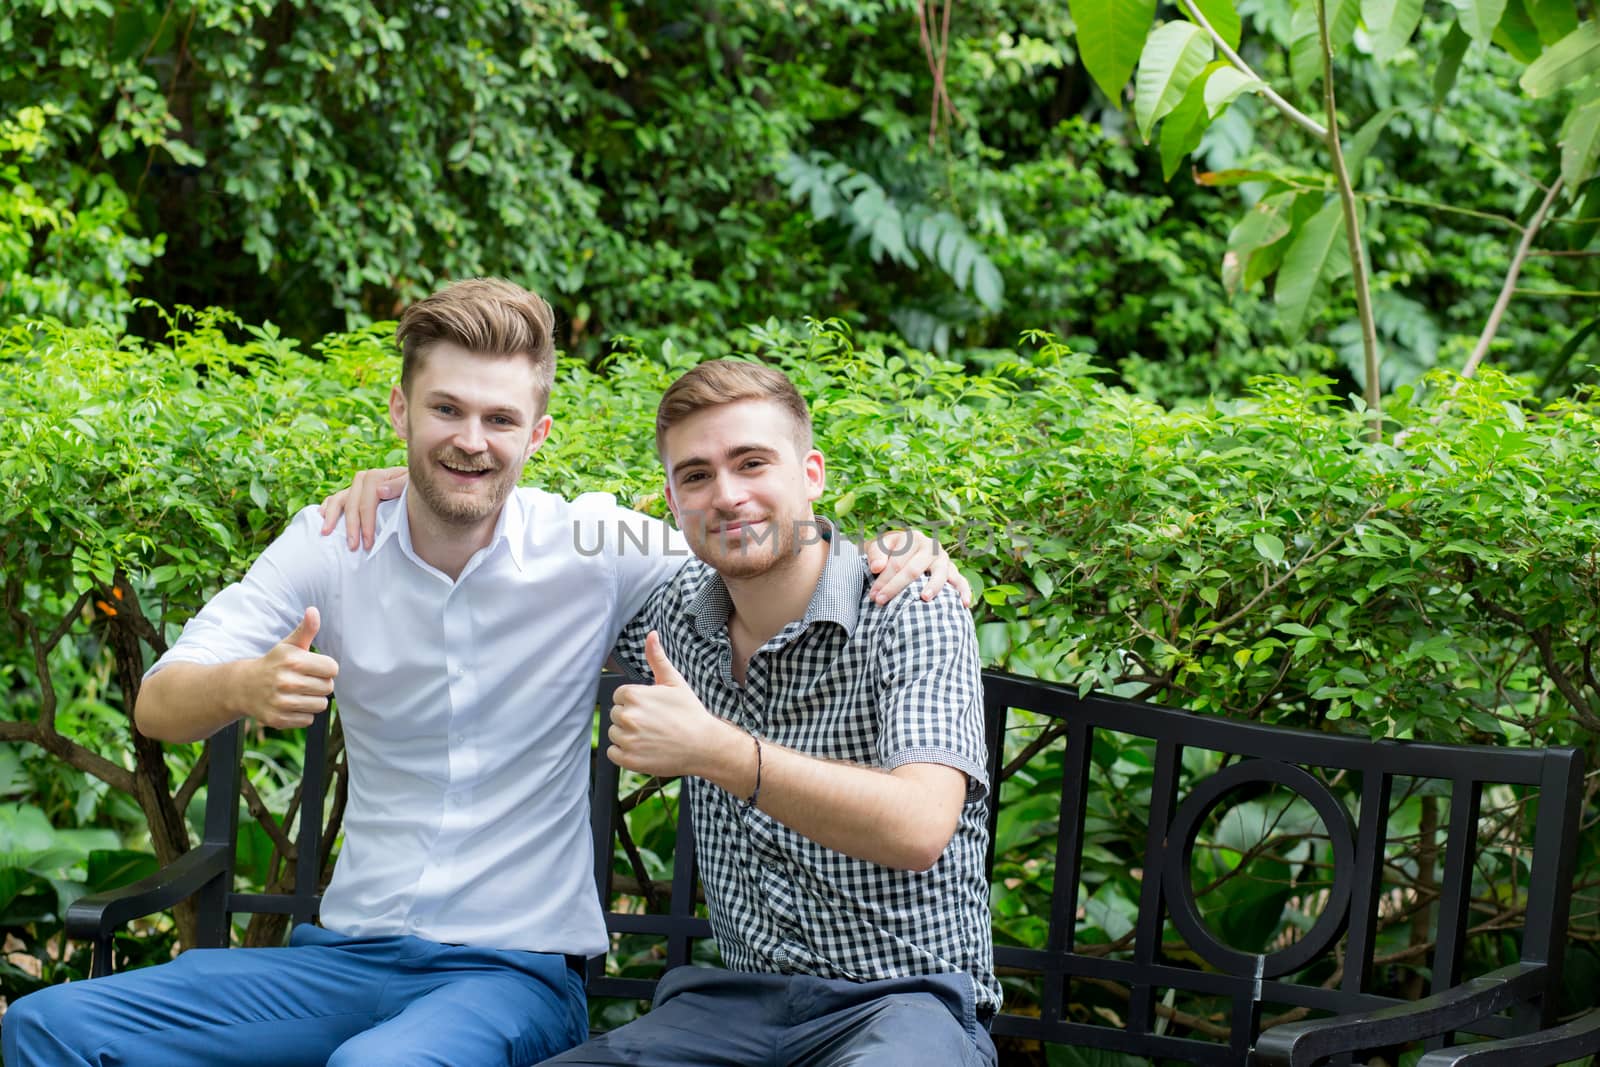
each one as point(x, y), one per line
point(469, 437)
point(727, 494)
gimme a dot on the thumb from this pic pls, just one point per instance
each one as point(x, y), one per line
point(660, 665)
point(302, 635)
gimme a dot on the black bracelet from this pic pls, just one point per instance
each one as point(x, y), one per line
point(756, 794)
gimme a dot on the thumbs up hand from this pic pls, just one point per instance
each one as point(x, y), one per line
point(663, 728)
point(290, 685)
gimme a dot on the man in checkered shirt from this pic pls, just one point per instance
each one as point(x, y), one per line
point(832, 750)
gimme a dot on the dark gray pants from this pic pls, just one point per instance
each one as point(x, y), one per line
point(710, 1017)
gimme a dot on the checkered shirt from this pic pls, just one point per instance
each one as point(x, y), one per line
point(876, 685)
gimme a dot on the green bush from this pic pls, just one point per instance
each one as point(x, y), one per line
point(1259, 558)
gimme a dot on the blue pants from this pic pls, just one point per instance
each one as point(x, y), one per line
point(327, 999)
point(716, 1018)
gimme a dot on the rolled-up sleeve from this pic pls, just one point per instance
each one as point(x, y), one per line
point(248, 617)
point(931, 689)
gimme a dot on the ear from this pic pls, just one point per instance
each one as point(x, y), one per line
point(672, 502)
point(397, 411)
point(541, 434)
point(816, 474)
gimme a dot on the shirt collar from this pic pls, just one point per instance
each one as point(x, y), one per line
point(510, 527)
point(837, 598)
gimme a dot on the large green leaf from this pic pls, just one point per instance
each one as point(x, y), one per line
point(1554, 18)
point(1313, 256)
point(1224, 87)
point(1517, 34)
point(1580, 145)
point(1391, 24)
point(1174, 54)
point(1451, 53)
point(1574, 57)
point(1359, 146)
point(1186, 124)
point(1478, 18)
point(1263, 226)
point(1110, 36)
point(1223, 18)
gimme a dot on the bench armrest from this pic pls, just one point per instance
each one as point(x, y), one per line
point(95, 917)
point(1303, 1044)
point(1570, 1041)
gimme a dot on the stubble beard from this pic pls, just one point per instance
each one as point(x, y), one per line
point(751, 558)
point(459, 508)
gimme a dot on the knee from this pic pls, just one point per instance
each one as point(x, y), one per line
point(36, 1029)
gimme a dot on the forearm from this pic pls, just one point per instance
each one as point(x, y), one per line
point(189, 701)
point(902, 819)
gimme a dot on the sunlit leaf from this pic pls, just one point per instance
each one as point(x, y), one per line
point(1391, 24)
point(1580, 145)
point(1478, 18)
point(1309, 259)
point(1110, 35)
point(1174, 54)
point(1574, 57)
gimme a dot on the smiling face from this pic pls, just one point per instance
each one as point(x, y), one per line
point(470, 422)
point(740, 487)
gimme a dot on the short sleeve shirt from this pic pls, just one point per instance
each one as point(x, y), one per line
point(876, 685)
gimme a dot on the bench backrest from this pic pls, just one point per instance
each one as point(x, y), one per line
point(1171, 947)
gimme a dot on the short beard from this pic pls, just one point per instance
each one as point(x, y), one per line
point(453, 509)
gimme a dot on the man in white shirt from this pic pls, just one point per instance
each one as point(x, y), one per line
point(464, 648)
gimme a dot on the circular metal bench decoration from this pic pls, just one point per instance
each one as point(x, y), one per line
point(1185, 911)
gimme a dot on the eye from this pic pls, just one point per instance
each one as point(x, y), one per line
point(503, 420)
point(445, 409)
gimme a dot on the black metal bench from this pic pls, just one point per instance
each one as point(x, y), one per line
point(1348, 782)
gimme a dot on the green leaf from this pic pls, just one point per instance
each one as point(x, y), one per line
point(1174, 54)
point(987, 285)
point(1308, 260)
point(1305, 38)
point(1451, 52)
point(1391, 24)
point(1553, 18)
point(1185, 125)
point(1110, 36)
point(1517, 34)
point(1264, 224)
point(1575, 56)
point(1223, 18)
point(1270, 546)
point(1580, 146)
point(1359, 147)
point(1224, 86)
point(1305, 47)
point(1479, 17)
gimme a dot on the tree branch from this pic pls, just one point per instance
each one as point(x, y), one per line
point(1289, 111)
point(1352, 233)
point(1503, 301)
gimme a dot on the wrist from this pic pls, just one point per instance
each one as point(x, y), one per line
point(735, 763)
point(236, 683)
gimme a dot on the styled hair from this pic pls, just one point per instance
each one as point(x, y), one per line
point(487, 317)
point(724, 381)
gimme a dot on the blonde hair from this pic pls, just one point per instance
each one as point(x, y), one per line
point(487, 317)
point(724, 381)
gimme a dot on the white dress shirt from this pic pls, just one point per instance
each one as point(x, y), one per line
point(467, 709)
